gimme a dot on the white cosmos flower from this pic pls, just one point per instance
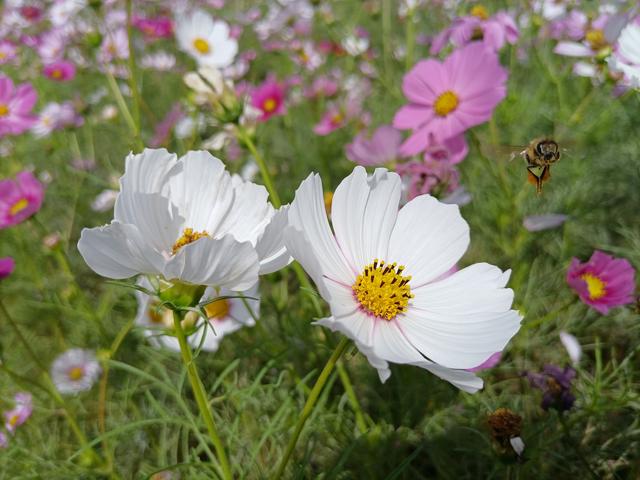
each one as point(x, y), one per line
point(206, 40)
point(380, 272)
point(74, 371)
point(627, 57)
point(226, 316)
point(189, 220)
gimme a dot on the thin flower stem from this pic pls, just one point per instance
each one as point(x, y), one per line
point(310, 404)
point(50, 388)
point(576, 447)
point(133, 82)
point(411, 39)
point(351, 395)
point(262, 165)
point(386, 39)
point(201, 397)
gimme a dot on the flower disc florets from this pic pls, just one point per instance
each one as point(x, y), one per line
point(381, 289)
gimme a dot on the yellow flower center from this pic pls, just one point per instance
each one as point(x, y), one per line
point(217, 310)
point(337, 119)
point(76, 373)
point(480, 12)
point(596, 39)
point(201, 45)
point(188, 236)
point(269, 105)
point(3, 55)
point(19, 206)
point(4, 109)
point(446, 103)
point(328, 200)
point(14, 419)
point(57, 73)
point(382, 290)
point(596, 287)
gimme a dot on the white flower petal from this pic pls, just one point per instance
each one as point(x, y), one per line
point(572, 49)
point(156, 219)
point(270, 246)
point(309, 239)
point(149, 171)
point(428, 239)
point(475, 289)
point(222, 262)
point(572, 346)
point(363, 214)
point(250, 213)
point(118, 251)
point(517, 444)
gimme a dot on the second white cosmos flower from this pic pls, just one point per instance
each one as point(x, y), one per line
point(187, 220)
point(383, 273)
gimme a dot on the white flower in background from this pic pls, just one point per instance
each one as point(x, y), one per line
point(189, 220)
point(104, 201)
point(355, 45)
point(380, 273)
point(537, 223)
point(75, 371)
point(115, 45)
point(207, 41)
point(627, 57)
point(572, 345)
point(161, 61)
point(226, 316)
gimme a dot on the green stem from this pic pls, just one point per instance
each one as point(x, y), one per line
point(201, 397)
point(576, 447)
point(262, 165)
point(22, 339)
point(133, 83)
point(122, 105)
point(310, 404)
point(411, 40)
point(351, 395)
point(386, 38)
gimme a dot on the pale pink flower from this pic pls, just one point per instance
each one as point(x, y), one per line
point(19, 413)
point(15, 107)
point(433, 177)
point(8, 51)
point(453, 150)
point(379, 149)
point(446, 98)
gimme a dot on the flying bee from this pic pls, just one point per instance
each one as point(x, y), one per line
point(540, 154)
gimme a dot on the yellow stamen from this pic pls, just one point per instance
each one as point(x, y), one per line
point(597, 288)
point(14, 419)
point(188, 236)
point(269, 105)
point(382, 290)
point(328, 200)
point(57, 73)
point(337, 119)
point(3, 55)
point(19, 206)
point(446, 103)
point(201, 45)
point(4, 109)
point(76, 373)
point(596, 39)
point(480, 12)
point(217, 310)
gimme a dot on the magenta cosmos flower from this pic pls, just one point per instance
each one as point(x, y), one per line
point(269, 99)
point(60, 71)
point(19, 199)
point(15, 107)
point(603, 282)
point(7, 264)
point(446, 98)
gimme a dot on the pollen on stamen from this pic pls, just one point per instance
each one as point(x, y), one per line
point(188, 236)
point(381, 290)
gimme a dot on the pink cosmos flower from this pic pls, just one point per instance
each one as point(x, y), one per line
point(155, 27)
point(269, 99)
point(493, 31)
point(380, 148)
point(428, 177)
point(446, 98)
point(593, 41)
point(56, 116)
point(452, 150)
point(4, 442)
point(19, 413)
point(15, 107)
point(19, 199)
point(7, 51)
point(603, 282)
point(337, 116)
point(7, 265)
point(60, 71)
point(322, 86)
